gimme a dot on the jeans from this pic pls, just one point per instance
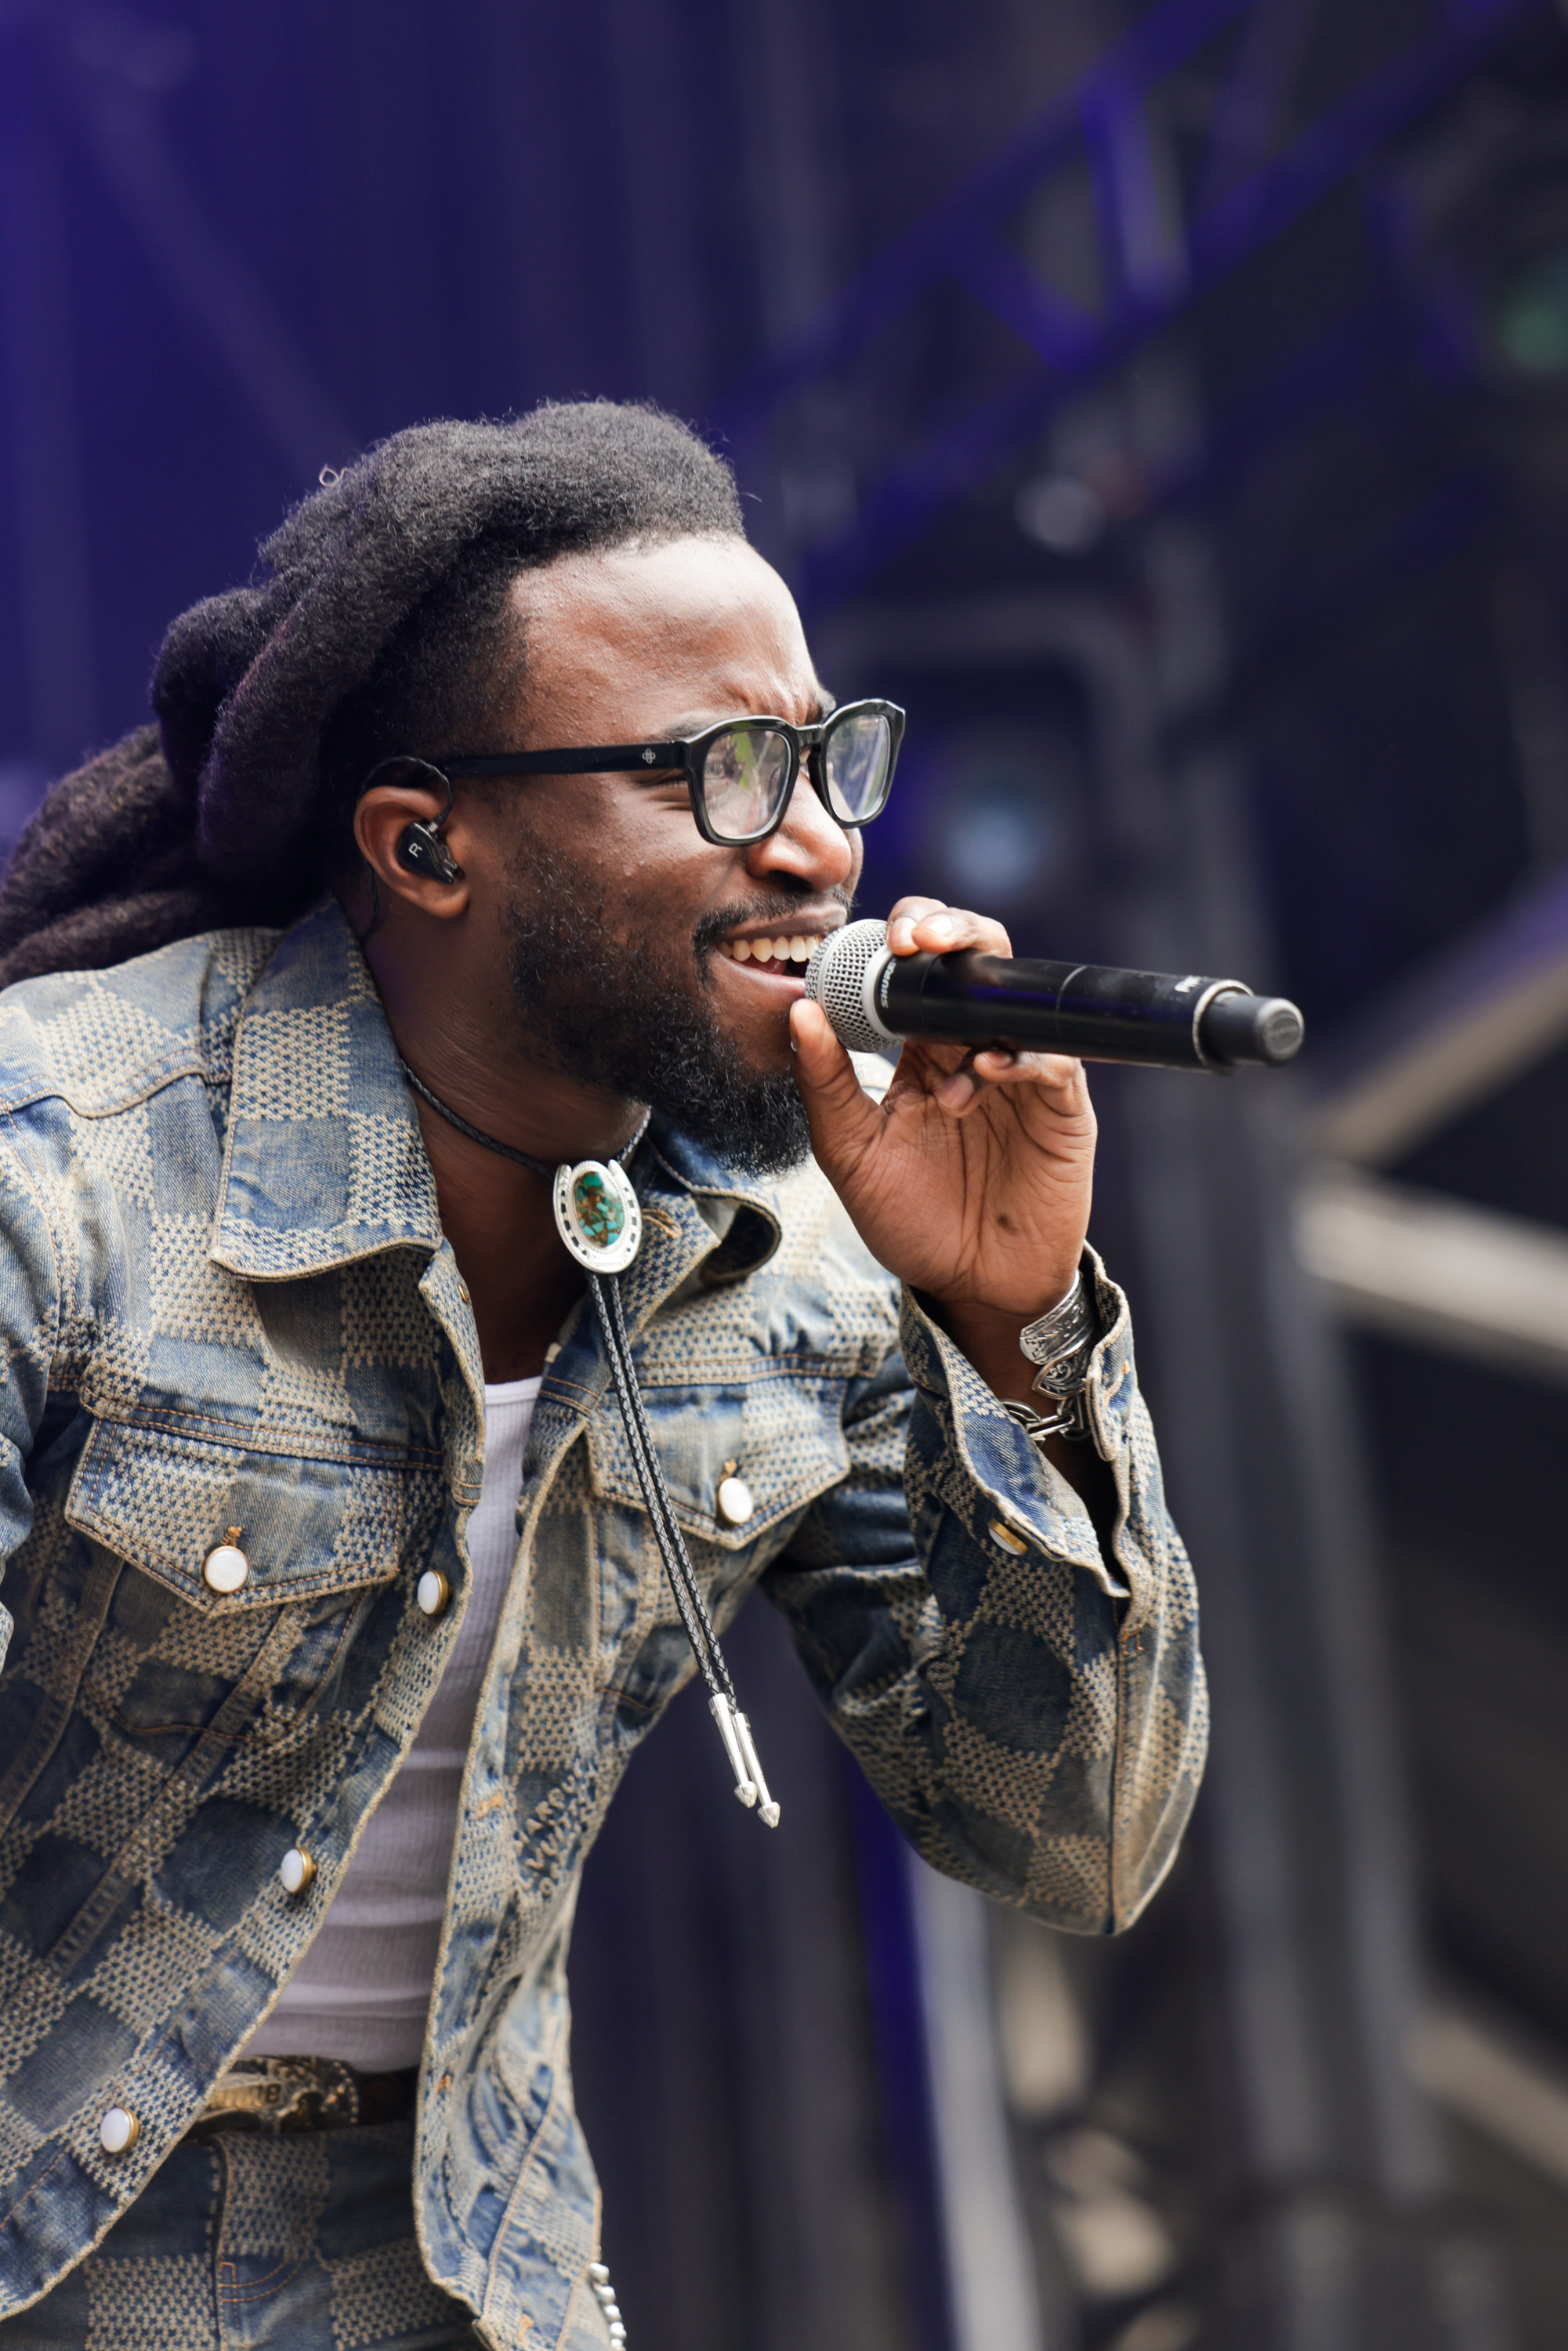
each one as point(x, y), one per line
point(255, 2240)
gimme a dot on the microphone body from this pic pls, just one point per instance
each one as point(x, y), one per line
point(1161, 1020)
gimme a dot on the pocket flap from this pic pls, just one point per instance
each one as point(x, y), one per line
point(308, 1525)
point(782, 1435)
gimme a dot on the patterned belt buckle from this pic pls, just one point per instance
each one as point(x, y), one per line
point(279, 2094)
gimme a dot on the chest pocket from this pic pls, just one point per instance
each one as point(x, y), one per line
point(779, 1434)
point(320, 1536)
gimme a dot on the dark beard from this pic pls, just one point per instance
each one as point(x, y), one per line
point(621, 1013)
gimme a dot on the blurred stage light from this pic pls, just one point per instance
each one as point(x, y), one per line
point(1480, 214)
point(1530, 316)
point(1000, 811)
point(1059, 511)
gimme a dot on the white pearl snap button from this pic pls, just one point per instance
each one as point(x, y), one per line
point(734, 1503)
point(1002, 1532)
point(432, 1592)
point(296, 1870)
point(118, 2131)
point(226, 1568)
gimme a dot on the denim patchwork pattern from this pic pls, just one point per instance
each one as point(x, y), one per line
point(251, 2241)
point(227, 1301)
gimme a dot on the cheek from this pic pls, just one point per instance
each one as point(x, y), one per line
point(643, 868)
point(662, 871)
point(588, 843)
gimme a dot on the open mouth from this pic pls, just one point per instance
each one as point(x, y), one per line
point(784, 954)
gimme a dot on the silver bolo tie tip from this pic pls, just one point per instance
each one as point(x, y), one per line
point(724, 1714)
point(738, 1745)
point(766, 1806)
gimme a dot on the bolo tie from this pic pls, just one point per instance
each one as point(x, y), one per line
point(599, 1217)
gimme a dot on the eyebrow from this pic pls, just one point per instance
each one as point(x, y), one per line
point(682, 727)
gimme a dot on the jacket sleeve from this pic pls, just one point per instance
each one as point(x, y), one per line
point(30, 1301)
point(1033, 1714)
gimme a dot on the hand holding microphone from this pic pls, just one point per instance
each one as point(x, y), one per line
point(972, 1179)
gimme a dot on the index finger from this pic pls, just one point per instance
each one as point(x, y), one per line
point(902, 921)
point(925, 925)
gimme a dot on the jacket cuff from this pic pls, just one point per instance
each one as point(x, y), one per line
point(999, 1475)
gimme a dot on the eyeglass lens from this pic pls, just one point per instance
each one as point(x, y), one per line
point(855, 757)
point(745, 771)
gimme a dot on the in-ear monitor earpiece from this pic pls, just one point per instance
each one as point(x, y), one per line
point(421, 850)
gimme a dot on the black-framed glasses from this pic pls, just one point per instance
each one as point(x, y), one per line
point(742, 772)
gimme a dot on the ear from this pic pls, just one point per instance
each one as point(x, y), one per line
point(383, 815)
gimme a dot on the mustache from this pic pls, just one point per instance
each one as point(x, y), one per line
point(765, 907)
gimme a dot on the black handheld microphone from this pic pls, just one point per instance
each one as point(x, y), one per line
point(874, 998)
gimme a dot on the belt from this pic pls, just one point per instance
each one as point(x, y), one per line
point(300, 2093)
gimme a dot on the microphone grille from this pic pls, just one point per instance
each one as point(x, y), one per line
point(836, 978)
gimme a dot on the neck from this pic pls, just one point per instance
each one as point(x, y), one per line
point(458, 1025)
point(542, 1114)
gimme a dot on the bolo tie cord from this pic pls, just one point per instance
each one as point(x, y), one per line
point(605, 1287)
point(723, 1705)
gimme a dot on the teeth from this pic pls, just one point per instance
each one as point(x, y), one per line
point(799, 949)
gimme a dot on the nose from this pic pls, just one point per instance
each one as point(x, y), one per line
point(808, 844)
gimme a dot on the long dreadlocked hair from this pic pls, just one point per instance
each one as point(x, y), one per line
point(377, 625)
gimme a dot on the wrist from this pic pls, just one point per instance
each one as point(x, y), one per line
point(987, 1337)
point(1038, 1358)
point(977, 1315)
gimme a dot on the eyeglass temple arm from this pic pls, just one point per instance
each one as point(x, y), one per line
point(588, 759)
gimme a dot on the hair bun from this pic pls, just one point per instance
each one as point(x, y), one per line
point(201, 662)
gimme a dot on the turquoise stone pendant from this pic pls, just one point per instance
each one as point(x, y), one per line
point(596, 1215)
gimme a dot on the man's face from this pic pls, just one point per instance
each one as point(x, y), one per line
point(623, 920)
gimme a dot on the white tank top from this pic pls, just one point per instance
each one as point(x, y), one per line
point(362, 1991)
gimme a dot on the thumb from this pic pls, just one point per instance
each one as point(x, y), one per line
point(844, 1120)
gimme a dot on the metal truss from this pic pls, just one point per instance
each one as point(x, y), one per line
point(1164, 239)
point(1442, 1272)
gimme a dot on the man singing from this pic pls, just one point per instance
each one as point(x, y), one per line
point(446, 1262)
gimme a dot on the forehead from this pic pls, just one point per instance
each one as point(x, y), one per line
point(662, 636)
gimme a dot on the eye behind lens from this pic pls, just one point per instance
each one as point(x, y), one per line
point(746, 772)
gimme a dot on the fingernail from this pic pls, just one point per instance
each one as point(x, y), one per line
point(942, 924)
point(959, 1090)
point(901, 935)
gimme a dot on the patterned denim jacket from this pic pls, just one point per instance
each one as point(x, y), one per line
point(225, 1299)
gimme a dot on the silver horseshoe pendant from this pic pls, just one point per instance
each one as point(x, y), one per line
point(596, 1215)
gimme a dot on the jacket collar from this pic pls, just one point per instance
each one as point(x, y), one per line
point(324, 1160)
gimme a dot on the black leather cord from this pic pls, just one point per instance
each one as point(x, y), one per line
point(606, 1289)
point(478, 1134)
